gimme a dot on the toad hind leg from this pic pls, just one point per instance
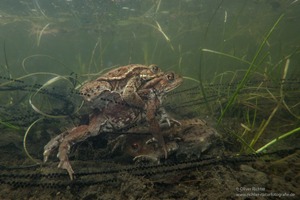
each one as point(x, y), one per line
point(154, 124)
point(155, 130)
point(76, 135)
point(53, 144)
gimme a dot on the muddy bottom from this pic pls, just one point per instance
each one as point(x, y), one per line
point(217, 174)
point(226, 177)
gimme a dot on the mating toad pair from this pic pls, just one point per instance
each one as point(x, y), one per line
point(119, 99)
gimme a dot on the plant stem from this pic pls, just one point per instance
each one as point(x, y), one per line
point(286, 67)
point(277, 139)
point(245, 78)
point(24, 141)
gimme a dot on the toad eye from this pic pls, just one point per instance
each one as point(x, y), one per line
point(135, 146)
point(170, 77)
point(154, 68)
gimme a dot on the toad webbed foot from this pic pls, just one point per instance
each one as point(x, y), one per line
point(53, 144)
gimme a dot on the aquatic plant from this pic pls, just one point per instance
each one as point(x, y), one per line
point(25, 142)
point(9, 125)
point(250, 69)
point(260, 98)
point(55, 99)
point(242, 96)
point(147, 30)
point(278, 139)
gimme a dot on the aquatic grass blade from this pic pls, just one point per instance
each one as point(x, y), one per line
point(277, 139)
point(279, 103)
point(9, 125)
point(25, 138)
point(252, 65)
point(226, 55)
point(49, 82)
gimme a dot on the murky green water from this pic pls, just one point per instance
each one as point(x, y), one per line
point(92, 35)
point(243, 48)
point(240, 63)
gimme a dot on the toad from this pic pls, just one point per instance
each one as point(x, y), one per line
point(116, 115)
point(190, 140)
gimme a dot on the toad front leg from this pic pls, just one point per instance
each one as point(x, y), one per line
point(76, 135)
point(152, 106)
point(130, 95)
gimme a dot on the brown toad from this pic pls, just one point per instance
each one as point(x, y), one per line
point(188, 141)
point(116, 116)
point(124, 80)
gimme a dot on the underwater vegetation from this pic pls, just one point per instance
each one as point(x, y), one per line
point(278, 97)
point(236, 70)
point(237, 109)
